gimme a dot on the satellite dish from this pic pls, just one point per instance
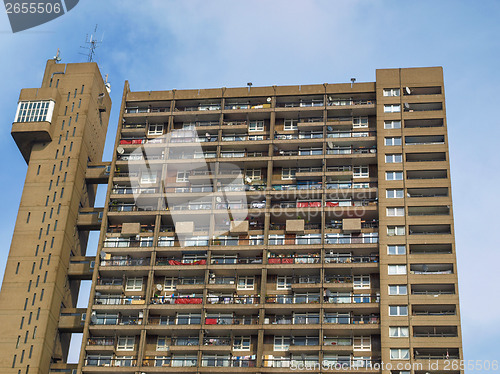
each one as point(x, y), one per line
point(218, 199)
point(408, 91)
point(330, 128)
point(330, 145)
point(108, 87)
point(425, 268)
point(103, 255)
point(407, 106)
point(159, 287)
point(93, 317)
point(330, 98)
point(120, 150)
point(248, 179)
point(269, 99)
point(97, 294)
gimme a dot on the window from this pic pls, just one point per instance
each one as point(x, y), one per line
point(125, 343)
point(134, 284)
point(395, 194)
point(398, 310)
point(188, 319)
point(396, 269)
point(288, 173)
point(395, 211)
point(215, 360)
point(396, 140)
point(361, 172)
point(35, 111)
point(398, 289)
point(256, 126)
point(400, 354)
point(183, 360)
point(394, 158)
point(392, 92)
point(396, 250)
point(281, 343)
point(290, 124)
point(392, 125)
point(169, 284)
point(182, 176)
point(148, 178)
point(246, 282)
point(284, 282)
point(161, 343)
point(155, 129)
point(362, 343)
point(359, 122)
point(398, 332)
point(395, 230)
point(241, 343)
point(393, 175)
point(361, 281)
point(253, 174)
point(392, 108)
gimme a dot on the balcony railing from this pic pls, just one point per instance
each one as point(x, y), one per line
point(162, 261)
point(294, 260)
point(118, 300)
point(352, 320)
point(196, 299)
point(172, 320)
point(126, 262)
point(101, 341)
point(114, 362)
point(110, 281)
point(116, 321)
point(214, 299)
point(217, 341)
point(243, 320)
point(352, 299)
point(350, 150)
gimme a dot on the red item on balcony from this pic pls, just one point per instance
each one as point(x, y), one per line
point(302, 204)
point(287, 260)
point(210, 321)
point(315, 204)
point(136, 141)
point(125, 141)
point(331, 203)
point(188, 300)
point(274, 261)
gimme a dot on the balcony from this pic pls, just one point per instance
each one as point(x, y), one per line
point(436, 353)
point(435, 331)
point(348, 319)
point(184, 299)
point(118, 300)
point(430, 229)
point(223, 299)
point(120, 261)
point(164, 261)
point(332, 298)
point(98, 173)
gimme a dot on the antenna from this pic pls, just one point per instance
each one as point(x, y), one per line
point(57, 57)
point(91, 45)
point(352, 81)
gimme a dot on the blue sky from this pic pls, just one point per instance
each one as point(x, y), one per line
point(201, 44)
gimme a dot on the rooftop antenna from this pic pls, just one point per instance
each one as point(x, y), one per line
point(57, 57)
point(352, 81)
point(249, 84)
point(91, 45)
